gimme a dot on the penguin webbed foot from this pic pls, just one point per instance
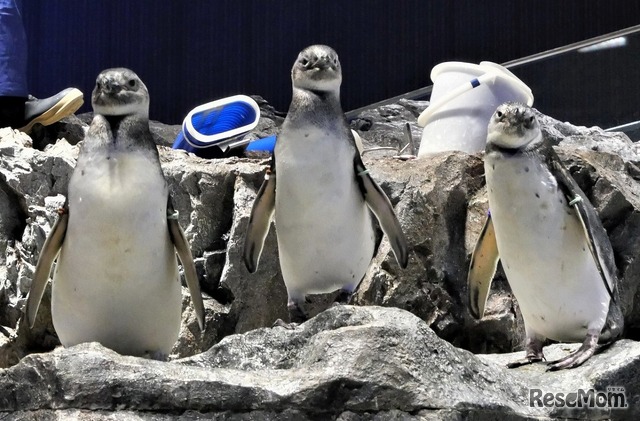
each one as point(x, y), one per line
point(534, 353)
point(296, 315)
point(579, 356)
point(156, 356)
point(282, 323)
point(528, 359)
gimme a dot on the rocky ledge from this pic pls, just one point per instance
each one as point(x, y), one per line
point(409, 354)
point(347, 363)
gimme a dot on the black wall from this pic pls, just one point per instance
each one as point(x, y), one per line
point(191, 52)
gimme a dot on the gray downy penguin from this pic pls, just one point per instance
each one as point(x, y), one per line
point(321, 192)
point(116, 279)
point(554, 250)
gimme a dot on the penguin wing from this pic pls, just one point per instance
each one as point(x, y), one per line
point(179, 241)
point(48, 254)
point(595, 234)
point(358, 142)
point(484, 262)
point(381, 207)
point(259, 221)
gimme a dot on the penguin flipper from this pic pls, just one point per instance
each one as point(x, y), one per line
point(181, 245)
point(259, 221)
point(381, 207)
point(48, 254)
point(585, 222)
point(590, 222)
point(482, 268)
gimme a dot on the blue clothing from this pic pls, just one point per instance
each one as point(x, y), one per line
point(13, 51)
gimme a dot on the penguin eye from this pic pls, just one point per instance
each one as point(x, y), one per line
point(132, 83)
point(531, 120)
point(98, 85)
point(304, 62)
point(499, 114)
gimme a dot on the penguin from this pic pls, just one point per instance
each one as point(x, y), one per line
point(553, 248)
point(321, 192)
point(116, 278)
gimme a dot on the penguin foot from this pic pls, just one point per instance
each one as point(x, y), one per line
point(529, 359)
point(156, 355)
point(344, 297)
point(534, 352)
point(282, 323)
point(296, 314)
point(579, 356)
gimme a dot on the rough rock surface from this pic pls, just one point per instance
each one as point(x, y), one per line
point(441, 203)
point(348, 363)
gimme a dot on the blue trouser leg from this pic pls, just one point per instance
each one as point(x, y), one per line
point(13, 51)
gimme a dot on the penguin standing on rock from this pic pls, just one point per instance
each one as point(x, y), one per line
point(321, 192)
point(116, 279)
point(554, 250)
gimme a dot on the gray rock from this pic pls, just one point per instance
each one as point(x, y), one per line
point(71, 128)
point(259, 298)
point(164, 134)
point(383, 126)
point(329, 367)
point(348, 363)
point(270, 120)
point(430, 198)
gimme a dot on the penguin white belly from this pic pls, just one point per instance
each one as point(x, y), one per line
point(116, 280)
point(544, 251)
point(324, 229)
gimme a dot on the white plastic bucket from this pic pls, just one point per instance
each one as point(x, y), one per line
point(464, 97)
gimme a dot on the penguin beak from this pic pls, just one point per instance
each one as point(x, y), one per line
point(110, 86)
point(324, 63)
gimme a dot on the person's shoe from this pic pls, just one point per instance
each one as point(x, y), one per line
point(50, 110)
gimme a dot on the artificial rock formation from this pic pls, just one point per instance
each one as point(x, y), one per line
point(348, 363)
point(333, 370)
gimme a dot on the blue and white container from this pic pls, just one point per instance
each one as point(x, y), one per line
point(219, 123)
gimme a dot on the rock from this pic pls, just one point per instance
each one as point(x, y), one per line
point(384, 126)
point(270, 120)
point(164, 134)
point(430, 198)
point(270, 373)
point(588, 138)
point(348, 363)
point(71, 128)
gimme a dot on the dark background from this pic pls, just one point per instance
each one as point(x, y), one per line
point(191, 52)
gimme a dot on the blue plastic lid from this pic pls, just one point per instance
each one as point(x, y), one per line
point(266, 144)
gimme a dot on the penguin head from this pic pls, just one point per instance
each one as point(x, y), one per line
point(513, 126)
point(120, 92)
point(317, 68)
